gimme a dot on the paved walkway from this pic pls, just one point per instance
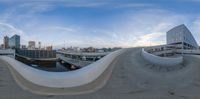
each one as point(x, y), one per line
point(130, 78)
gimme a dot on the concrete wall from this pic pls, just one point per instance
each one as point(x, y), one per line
point(74, 78)
point(164, 61)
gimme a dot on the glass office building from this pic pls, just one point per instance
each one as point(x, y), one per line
point(14, 42)
point(181, 37)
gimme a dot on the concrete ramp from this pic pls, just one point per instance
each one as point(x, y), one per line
point(129, 76)
point(59, 82)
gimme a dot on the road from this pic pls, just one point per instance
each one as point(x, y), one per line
point(128, 77)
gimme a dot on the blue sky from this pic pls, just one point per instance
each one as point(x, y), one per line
point(97, 23)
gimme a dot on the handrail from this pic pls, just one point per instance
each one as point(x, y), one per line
point(67, 79)
point(165, 61)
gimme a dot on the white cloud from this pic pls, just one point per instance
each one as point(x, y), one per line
point(67, 29)
point(147, 27)
point(149, 39)
point(195, 29)
point(10, 30)
point(132, 5)
point(40, 6)
point(144, 28)
point(137, 28)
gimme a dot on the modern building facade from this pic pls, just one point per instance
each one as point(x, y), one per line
point(39, 54)
point(31, 45)
point(181, 38)
point(6, 42)
point(14, 42)
point(24, 47)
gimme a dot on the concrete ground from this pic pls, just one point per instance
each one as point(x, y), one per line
point(130, 77)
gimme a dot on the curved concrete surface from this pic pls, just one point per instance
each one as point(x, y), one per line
point(165, 61)
point(34, 88)
point(18, 68)
point(131, 78)
point(67, 79)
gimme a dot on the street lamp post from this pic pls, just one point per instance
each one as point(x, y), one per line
point(182, 48)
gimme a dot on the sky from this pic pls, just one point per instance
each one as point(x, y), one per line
point(97, 23)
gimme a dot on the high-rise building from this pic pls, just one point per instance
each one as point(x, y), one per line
point(14, 42)
point(181, 37)
point(1, 46)
point(49, 48)
point(6, 42)
point(31, 45)
point(39, 45)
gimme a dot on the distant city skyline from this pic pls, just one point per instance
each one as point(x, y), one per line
point(96, 23)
